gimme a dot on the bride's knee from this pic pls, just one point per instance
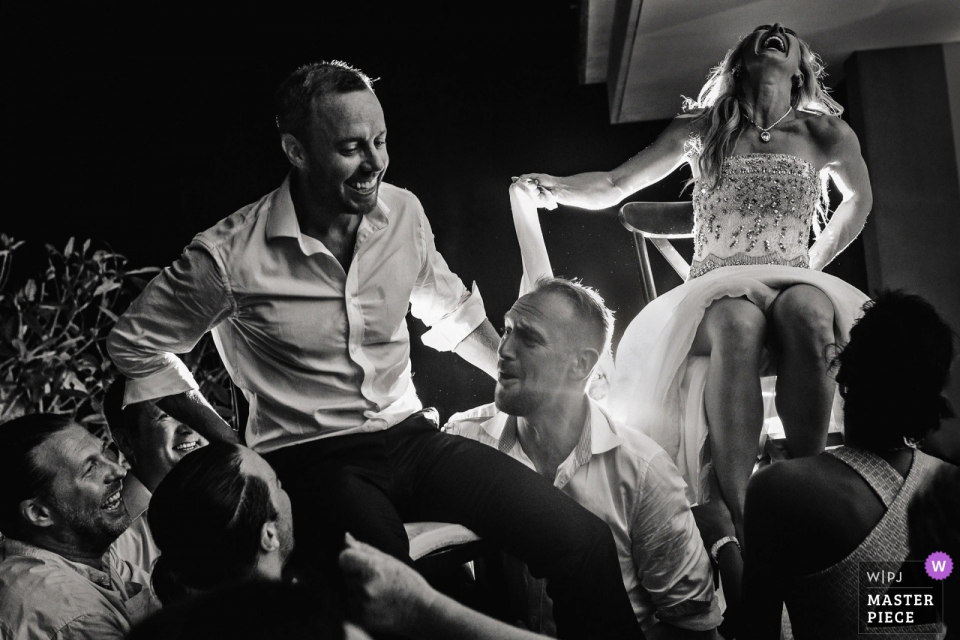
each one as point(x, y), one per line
point(735, 326)
point(803, 312)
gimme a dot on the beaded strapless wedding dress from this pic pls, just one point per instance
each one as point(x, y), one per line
point(751, 240)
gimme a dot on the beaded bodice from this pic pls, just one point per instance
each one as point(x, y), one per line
point(759, 213)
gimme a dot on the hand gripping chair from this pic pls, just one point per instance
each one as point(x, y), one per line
point(659, 223)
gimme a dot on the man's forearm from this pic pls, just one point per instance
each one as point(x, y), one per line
point(479, 348)
point(192, 409)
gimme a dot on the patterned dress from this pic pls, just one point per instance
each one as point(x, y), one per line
point(826, 604)
point(760, 213)
point(751, 239)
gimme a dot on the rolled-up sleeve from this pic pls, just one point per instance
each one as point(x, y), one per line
point(672, 564)
point(440, 299)
point(174, 311)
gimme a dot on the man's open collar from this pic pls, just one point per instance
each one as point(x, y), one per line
point(603, 437)
point(495, 425)
point(282, 217)
point(503, 429)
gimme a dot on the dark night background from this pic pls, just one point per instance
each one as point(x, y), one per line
point(142, 127)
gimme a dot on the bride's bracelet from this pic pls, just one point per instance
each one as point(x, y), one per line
point(715, 548)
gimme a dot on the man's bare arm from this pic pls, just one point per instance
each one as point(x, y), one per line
point(479, 348)
point(193, 410)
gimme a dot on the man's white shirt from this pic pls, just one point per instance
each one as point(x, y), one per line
point(627, 480)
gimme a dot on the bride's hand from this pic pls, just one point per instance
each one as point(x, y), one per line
point(541, 187)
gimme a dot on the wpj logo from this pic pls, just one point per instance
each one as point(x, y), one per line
point(938, 565)
point(898, 596)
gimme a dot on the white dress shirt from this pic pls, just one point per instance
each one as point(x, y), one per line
point(317, 351)
point(627, 480)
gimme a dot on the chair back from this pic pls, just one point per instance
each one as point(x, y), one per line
point(658, 223)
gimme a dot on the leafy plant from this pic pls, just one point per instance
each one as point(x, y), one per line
point(53, 331)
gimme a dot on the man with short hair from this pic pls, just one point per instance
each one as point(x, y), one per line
point(152, 442)
point(306, 292)
point(61, 509)
point(543, 417)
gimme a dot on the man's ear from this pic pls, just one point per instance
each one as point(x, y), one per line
point(36, 514)
point(269, 537)
point(294, 150)
point(586, 360)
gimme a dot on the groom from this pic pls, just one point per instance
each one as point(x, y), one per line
point(306, 292)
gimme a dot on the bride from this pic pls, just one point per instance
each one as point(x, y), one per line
point(762, 141)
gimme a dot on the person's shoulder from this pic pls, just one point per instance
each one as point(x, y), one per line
point(789, 485)
point(781, 474)
point(469, 424)
point(397, 197)
point(640, 460)
point(636, 445)
point(235, 226)
point(685, 125)
point(827, 131)
point(40, 595)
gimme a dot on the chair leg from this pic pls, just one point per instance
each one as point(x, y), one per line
point(648, 288)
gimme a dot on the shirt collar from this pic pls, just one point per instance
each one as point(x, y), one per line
point(282, 219)
point(495, 426)
point(597, 437)
point(603, 438)
point(136, 495)
point(11, 548)
point(598, 430)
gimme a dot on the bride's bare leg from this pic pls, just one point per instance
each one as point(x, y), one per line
point(802, 321)
point(732, 334)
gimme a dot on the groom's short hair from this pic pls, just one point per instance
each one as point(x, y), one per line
point(297, 94)
point(597, 318)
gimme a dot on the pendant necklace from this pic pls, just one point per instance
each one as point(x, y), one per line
point(765, 133)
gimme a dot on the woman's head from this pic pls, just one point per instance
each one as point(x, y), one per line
point(892, 372)
point(219, 517)
point(722, 102)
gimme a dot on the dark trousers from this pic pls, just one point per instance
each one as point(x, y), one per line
point(370, 484)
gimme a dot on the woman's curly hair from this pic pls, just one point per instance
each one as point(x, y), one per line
point(892, 372)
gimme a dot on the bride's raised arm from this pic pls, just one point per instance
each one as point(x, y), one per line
point(602, 189)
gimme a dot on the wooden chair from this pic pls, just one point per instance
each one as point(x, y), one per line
point(658, 223)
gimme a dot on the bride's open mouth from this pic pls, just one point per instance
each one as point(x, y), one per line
point(774, 42)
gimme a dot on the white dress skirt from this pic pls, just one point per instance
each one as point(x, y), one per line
point(658, 387)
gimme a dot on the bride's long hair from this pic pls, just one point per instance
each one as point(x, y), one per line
point(721, 110)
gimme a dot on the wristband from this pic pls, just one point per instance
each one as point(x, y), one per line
point(715, 548)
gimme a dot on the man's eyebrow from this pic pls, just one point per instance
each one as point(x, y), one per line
point(528, 329)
